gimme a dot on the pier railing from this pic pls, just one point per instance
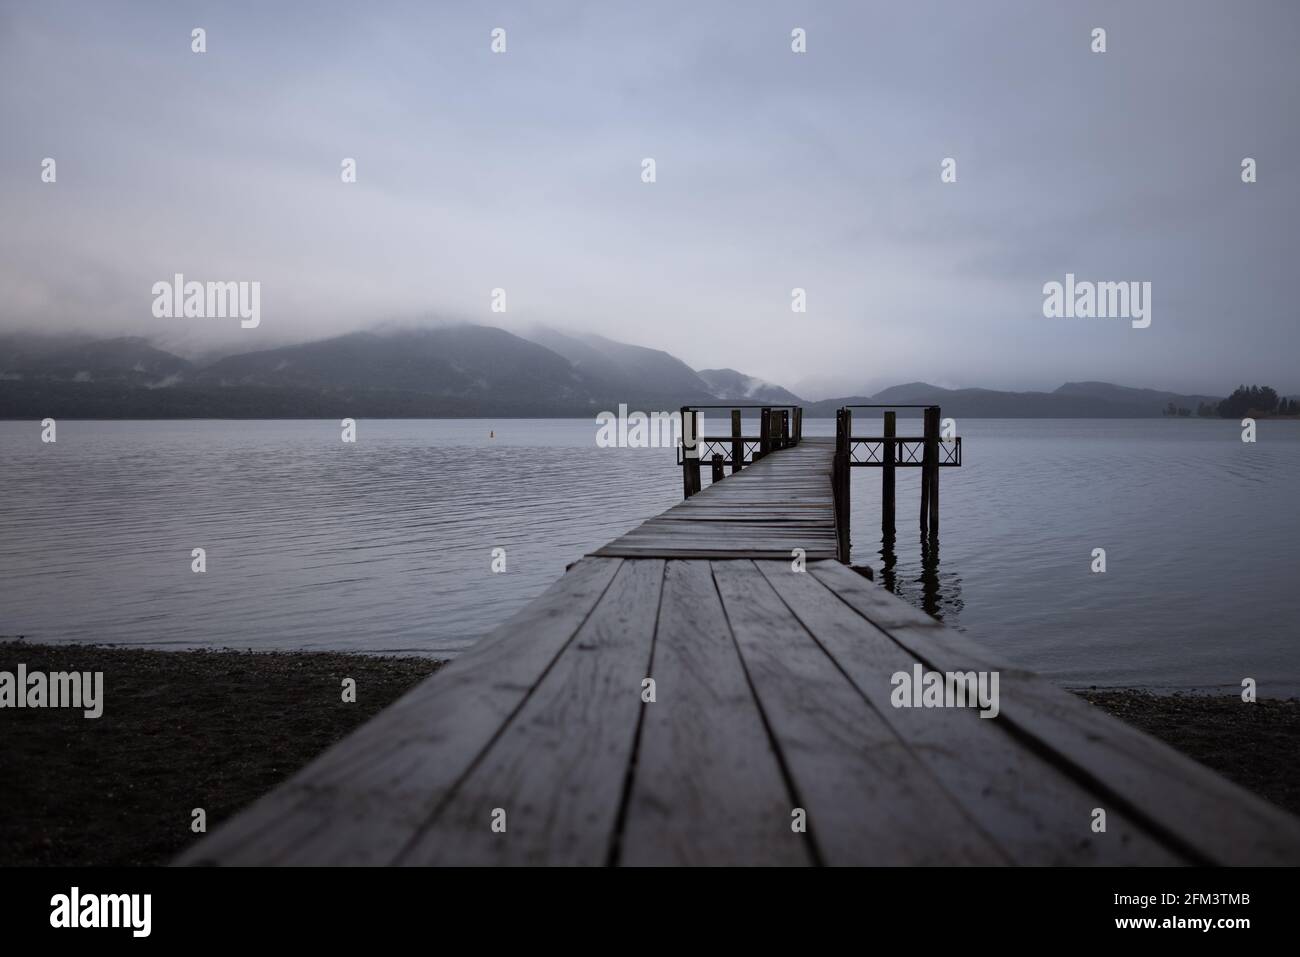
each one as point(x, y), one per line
point(889, 451)
point(779, 427)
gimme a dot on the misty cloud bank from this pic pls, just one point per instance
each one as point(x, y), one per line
point(774, 170)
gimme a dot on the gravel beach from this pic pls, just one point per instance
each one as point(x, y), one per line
point(180, 730)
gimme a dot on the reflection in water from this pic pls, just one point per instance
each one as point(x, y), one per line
point(937, 594)
point(889, 559)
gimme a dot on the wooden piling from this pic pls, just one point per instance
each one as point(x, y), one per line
point(925, 472)
point(840, 474)
point(717, 467)
point(785, 428)
point(764, 433)
point(695, 471)
point(887, 489)
point(737, 443)
point(933, 434)
point(686, 452)
point(930, 473)
point(692, 423)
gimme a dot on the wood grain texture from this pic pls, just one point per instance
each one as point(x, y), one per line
point(558, 767)
point(707, 787)
point(869, 799)
point(1192, 810)
point(1030, 809)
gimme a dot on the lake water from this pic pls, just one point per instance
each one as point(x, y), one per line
point(385, 545)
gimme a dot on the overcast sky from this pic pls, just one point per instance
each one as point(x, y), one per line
point(775, 170)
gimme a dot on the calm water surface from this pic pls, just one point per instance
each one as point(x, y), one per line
point(385, 546)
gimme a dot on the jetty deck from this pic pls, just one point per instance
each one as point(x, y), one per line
point(771, 709)
point(765, 511)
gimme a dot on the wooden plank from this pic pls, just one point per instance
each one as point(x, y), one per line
point(737, 443)
point(1035, 813)
point(707, 787)
point(869, 799)
point(363, 799)
point(559, 766)
point(1192, 809)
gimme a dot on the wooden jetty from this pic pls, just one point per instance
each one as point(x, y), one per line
point(762, 512)
point(769, 735)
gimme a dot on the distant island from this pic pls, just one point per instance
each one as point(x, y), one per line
point(467, 370)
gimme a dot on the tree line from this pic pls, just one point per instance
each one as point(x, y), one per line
point(1255, 400)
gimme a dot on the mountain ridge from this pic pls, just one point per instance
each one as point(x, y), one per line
point(460, 370)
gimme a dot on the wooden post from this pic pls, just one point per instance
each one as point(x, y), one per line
point(699, 431)
point(764, 432)
point(835, 476)
point(798, 424)
point(687, 423)
point(691, 423)
point(925, 472)
point(840, 482)
point(737, 443)
point(889, 455)
point(717, 467)
point(929, 470)
point(785, 428)
point(933, 435)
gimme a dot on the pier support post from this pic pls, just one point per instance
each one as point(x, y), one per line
point(717, 467)
point(737, 443)
point(698, 430)
point(798, 424)
point(934, 471)
point(691, 424)
point(930, 473)
point(888, 455)
point(764, 432)
point(785, 428)
point(686, 452)
point(840, 482)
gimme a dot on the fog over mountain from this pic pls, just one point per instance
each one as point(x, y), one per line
point(737, 385)
point(454, 370)
point(818, 171)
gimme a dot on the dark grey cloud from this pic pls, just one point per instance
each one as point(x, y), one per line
point(774, 170)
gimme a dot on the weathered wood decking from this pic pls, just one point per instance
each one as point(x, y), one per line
point(772, 693)
point(763, 511)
